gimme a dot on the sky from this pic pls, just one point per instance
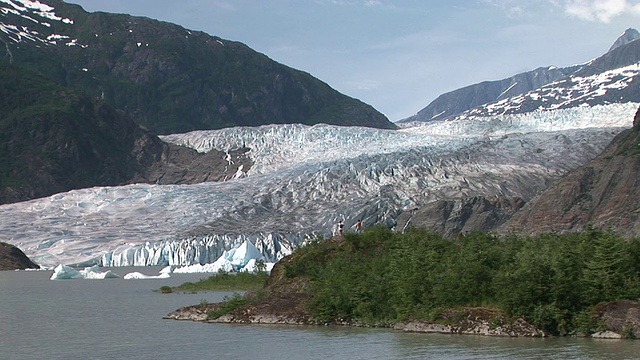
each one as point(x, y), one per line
point(400, 55)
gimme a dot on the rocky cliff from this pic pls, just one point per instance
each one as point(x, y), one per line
point(604, 193)
point(12, 258)
point(459, 216)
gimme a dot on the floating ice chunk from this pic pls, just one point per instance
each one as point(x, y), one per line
point(139, 276)
point(63, 272)
point(222, 264)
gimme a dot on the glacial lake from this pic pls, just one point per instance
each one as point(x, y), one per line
point(122, 319)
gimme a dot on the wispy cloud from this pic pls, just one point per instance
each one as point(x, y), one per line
point(511, 8)
point(364, 85)
point(600, 10)
point(372, 3)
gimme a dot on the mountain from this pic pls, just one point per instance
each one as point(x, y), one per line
point(460, 100)
point(611, 78)
point(53, 139)
point(168, 78)
point(604, 193)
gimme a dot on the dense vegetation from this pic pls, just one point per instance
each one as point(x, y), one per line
point(553, 280)
point(223, 281)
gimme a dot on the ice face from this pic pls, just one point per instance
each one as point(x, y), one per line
point(306, 179)
point(240, 256)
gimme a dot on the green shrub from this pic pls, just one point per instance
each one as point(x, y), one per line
point(224, 281)
point(233, 302)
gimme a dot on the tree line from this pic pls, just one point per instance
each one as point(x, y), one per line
point(553, 280)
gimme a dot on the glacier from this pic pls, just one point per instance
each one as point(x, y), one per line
point(304, 180)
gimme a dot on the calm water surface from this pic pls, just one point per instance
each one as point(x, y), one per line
point(122, 319)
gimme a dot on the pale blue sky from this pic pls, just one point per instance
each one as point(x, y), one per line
point(400, 55)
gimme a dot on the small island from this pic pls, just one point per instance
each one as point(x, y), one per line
point(580, 284)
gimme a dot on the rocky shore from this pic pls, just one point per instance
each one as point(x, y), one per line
point(620, 319)
point(474, 320)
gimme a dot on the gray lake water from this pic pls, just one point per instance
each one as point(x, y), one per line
point(122, 319)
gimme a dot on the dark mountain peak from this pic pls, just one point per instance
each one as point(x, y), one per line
point(628, 36)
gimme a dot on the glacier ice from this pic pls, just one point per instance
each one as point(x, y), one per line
point(239, 257)
point(140, 276)
point(304, 180)
point(64, 272)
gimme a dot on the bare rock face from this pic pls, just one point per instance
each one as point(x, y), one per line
point(453, 217)
point(12, 258)
point(621, 318)
point(605, 194)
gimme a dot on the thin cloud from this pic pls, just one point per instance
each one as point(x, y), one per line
point(513, 9)
point(364, 85)
point(600, 10)
point(371, 3)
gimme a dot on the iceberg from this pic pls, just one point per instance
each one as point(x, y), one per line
point(221, 264)
point(140, 276)
point(64, 272)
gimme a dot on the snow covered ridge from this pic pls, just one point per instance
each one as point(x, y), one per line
point(306, 180)
point(37, 13)
point(572, 91)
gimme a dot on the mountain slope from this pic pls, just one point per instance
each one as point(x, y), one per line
point(604, 193)
point(468, 97)
point(53, 139)
point(168, 78)
point(611, 78)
